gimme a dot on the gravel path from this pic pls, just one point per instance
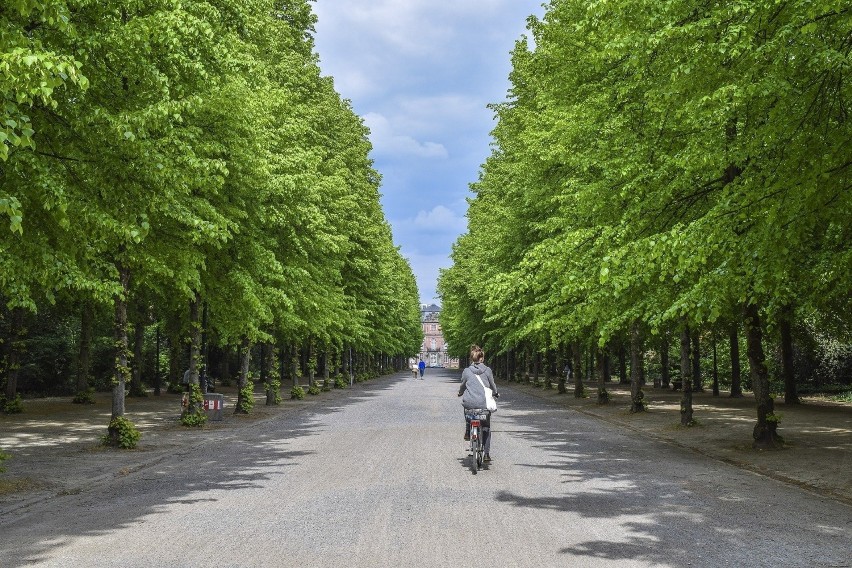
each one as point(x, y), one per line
point(380, 477)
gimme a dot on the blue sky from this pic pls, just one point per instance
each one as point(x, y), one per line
point(420, 73)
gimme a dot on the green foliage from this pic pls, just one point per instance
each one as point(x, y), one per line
point(297, 393)
point(121, 433)
point(273, 384)
point(247, 398)
point(194, 415)
point(340, 383)
point(14, 406)
point(84, 397)
point(648, 159)
point(252, 185)
point(314, 389)
point(3, 457)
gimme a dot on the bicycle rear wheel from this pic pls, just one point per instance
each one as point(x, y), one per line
point(474, 445)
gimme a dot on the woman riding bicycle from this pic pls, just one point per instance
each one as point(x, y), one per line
point(474, 380)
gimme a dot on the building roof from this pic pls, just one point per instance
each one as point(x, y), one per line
point(430, 312)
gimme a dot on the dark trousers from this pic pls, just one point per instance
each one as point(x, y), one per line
point(486, 429)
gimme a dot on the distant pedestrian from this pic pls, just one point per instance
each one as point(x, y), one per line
point(422, 366)
point(414, 370)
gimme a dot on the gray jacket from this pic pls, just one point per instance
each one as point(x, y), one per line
point(474, 395)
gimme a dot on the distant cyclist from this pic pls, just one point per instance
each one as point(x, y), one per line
point(474, 394)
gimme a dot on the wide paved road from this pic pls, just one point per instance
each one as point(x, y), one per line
point(381, 478)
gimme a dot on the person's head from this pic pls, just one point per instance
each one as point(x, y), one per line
point(477, 355)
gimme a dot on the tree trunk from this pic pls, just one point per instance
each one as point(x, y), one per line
point(87, 317)
point(204, 353)
point(603, 395)
point(736, 374)
point(697, 379)
point(326, 383)
point(577, 370)
point(264, 368)
point(685, 378)
point(765, 434)
point(294, 363)
point(715, 367)
point(272, 393)
point(311, 362)
point(242, 382)
point(622, 365)
point(791, 395)
point(121, 371)
point(607, 365)
point(637, 403)
point(665, 376)
point(194, 351)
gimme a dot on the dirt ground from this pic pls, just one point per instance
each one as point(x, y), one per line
point(818, 433)
point(55, 445)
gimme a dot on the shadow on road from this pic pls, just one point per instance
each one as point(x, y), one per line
point(673, 507)
point(193, 475)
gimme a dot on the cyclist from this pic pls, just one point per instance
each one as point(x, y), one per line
point(474, 394)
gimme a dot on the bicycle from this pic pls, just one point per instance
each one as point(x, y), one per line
point(478, 417)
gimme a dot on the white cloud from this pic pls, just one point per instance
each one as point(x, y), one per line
point(386, 141)
point(442, 219)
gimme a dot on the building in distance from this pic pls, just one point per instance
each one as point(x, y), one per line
point(434, 350)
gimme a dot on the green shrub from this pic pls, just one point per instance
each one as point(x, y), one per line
point(197, 417)
point(274, 385)
point(121, 433)
point(3, 457)
point(247, 398)
point(842, 397)
point(85, 396)
point(314, 389)
point(14, 406)
point(297, 393)
point(194, 419)
point(340, 383)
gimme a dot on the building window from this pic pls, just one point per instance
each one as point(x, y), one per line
point(434, 346)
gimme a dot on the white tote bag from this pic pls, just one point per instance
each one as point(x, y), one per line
point(490, 403)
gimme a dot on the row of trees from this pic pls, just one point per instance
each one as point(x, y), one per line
point(185, 163)
point(662, 168)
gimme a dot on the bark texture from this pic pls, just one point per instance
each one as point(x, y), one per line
point(736, 371)
point(765, 431)
point(577, 370)
point(637, 402)
point(245, 355)
point(686, 418)
point(791, 394)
